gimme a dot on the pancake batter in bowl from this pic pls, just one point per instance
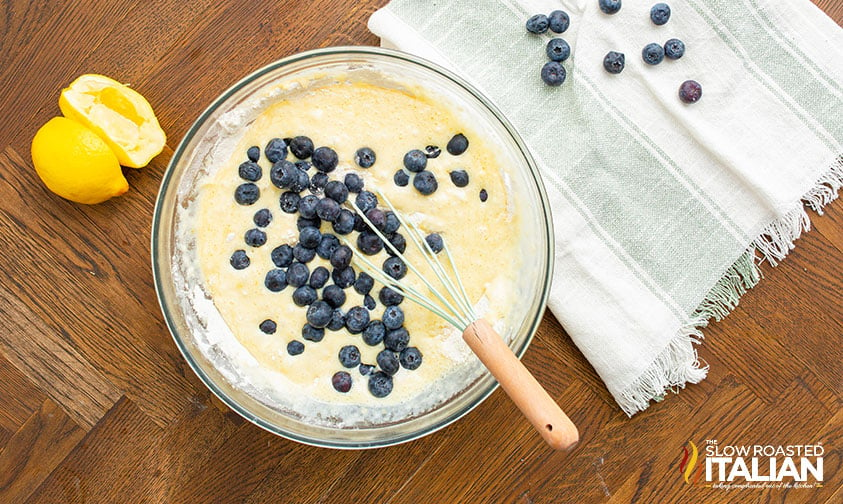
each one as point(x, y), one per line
point(480, 223)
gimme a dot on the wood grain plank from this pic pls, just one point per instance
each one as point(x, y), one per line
point(35, 450)
point(96, 291)
point(18, 396)
point(830, 224)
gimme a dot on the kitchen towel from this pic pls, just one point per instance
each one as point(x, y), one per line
point(662, 210)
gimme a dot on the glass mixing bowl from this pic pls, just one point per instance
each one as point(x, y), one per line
point(178, 192)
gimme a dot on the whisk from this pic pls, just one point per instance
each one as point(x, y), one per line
point(455, 308)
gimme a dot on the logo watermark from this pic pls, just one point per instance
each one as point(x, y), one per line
point(732, 466)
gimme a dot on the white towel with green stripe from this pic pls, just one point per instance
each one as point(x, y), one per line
point(662, 210)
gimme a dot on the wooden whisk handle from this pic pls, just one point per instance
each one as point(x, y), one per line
point(530, 397)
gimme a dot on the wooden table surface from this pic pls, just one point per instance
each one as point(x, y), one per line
point(97, 404)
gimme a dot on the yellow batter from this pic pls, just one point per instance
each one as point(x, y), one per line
point(347, 116)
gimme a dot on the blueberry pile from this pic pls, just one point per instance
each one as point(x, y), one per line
point(424, 181)
point(318, 202)
point(653, 53)
point(553, 73)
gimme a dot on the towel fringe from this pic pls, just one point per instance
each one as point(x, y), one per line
point(679, 364)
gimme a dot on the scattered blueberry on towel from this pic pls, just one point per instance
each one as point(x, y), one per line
point(674, 48)
point(690, 91)
point(660, 13)
point(558, 21)
point(614, 62)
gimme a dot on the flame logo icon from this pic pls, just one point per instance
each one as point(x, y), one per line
point(689, 463)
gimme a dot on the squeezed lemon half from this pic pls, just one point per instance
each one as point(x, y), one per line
point(118, 114)
point(75, 163)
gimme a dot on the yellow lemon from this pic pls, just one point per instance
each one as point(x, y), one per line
point(118, 114)
point(75, 163)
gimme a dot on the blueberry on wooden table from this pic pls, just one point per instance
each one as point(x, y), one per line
point(246, 194)
point(660, 13)
point(457, 144)
point(553, 73)
point(341, 381)
point(609, 6)
point(674, 48)
point(614, 62)
point(558, 21)
point(537, 24)
point(557, 49)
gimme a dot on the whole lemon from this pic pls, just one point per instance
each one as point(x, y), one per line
point(75, 163)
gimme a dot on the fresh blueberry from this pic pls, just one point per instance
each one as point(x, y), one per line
point(275, 150)
point(282, 256)
point(364, 283)
point(660, 13)
point(303, 165)
point(289, 202)
point(415, 161)
point(459, 178)
point(307, 206)
point(387, 361)
point(268, 326)
point(366, 369)
point(369, 302)
point(349, 356)
point(341, 381)
point(366, 201)
point(553, 73)
point(310, 237)
point(674, 48)
point(380, 384)
point(304, 295)
point(319, 277)
point(457, 144)
point(432, 151)
point(328, 209)
point(359, 224)
point(303, 254)
point(324, 159)
point(557, 49)
point(302, 181)
point(393, 317)
point(301, 147)
point(255, 237)
point(391, 222)
point(610, 6)
point(353, 182)
point(483, 195)
point(425, 183)
point(297, 274)
point(395, 268)
point(327, 246)
point(377, 217)
point(435, 241)
point(239, 260)
point(341, 258)
point(357, 319)
point(653, 54)
point(398, 243)
point(337, 191)
point(390, 297)
point(344, 278)
point(283, 174)
point(396, 339)
point(558, 21)
point(253, 153)
point(319, 314)
point(364, 157)
point(690, 91)
point(537, 24)
point(311, 333)
point(345, 222)
point(337, 320)
point(410, 358)
point(401, 178)
point(318, 181)
point(334, 296)
point(295, 347)
point(262, 217)
point(250, 171)
point(247, 194)
point(614, 62)
point(275, 280)
point(369, 243)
